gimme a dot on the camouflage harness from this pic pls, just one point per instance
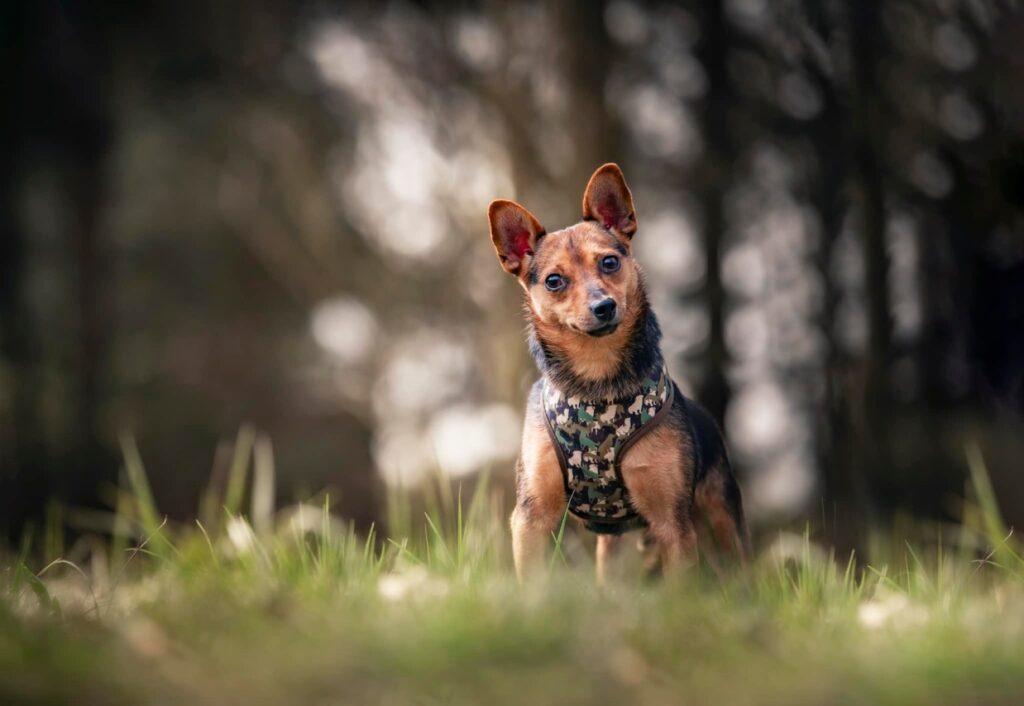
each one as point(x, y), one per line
point(591, 438)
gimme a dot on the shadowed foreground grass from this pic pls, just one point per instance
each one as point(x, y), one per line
point(296, 608)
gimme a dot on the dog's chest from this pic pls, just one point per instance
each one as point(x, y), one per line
point(591, 438)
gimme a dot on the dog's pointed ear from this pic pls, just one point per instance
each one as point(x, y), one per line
point(514, 232)
point(607, 200)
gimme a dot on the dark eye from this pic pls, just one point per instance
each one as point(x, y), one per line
point(610, 263)
point(554, 283)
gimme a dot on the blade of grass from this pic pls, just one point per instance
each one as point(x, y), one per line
point(439, 540)
point(263, 485)
point(150, 520)
point(459, 536)
point(239, 465)
point(557, 553)
point(997, 532)
point(135, 551)
point(139, 485)
point(53, 535)
point(46, 601)
point(209, 543)
point(77, 570)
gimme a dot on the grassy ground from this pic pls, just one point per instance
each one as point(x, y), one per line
point(296, 608)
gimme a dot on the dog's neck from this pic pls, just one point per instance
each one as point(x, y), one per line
point(600, 368)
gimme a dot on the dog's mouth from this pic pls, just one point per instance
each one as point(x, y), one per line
point(603, 330)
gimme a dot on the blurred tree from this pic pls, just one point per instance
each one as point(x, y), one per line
point(273, 213)
point(58, 128)
point(717, 124)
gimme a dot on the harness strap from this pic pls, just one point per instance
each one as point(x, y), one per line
point(697, 450)
point(657, 419)
point(610, 525)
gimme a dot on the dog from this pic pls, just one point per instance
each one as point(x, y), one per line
point(607, 437)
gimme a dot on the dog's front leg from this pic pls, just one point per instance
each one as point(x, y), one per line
point(540, 492)
point(657, 476)
point(607, 547)
point(531, 534)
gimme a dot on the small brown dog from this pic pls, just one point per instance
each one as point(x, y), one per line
point(607, 436)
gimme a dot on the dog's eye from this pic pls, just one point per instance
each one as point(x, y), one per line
point(610, 263)
point(554, 283)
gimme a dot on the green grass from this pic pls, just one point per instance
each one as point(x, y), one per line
point(249, 607)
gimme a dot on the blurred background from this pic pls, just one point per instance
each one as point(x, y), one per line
point(270, 216)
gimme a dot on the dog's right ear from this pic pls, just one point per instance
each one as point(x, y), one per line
point(514, 232)
point(607, 200)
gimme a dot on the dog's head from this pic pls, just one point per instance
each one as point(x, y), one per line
point(580, 281)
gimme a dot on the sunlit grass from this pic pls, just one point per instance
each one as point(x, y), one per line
point(250, 606)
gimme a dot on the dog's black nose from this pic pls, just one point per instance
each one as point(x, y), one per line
point(604, 310)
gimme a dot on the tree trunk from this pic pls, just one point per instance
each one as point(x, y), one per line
point(867, 391)
point(719, 155)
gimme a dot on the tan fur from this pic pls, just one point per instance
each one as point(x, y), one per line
point(657, 472)
point(651, 473)
point(607, 546)
point(574, 253)
point(591, 358)
point(709, 499)
point(540, 480)
point(562, 317)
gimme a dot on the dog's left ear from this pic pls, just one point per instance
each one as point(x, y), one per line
point(514, 232)
point(607, 200)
